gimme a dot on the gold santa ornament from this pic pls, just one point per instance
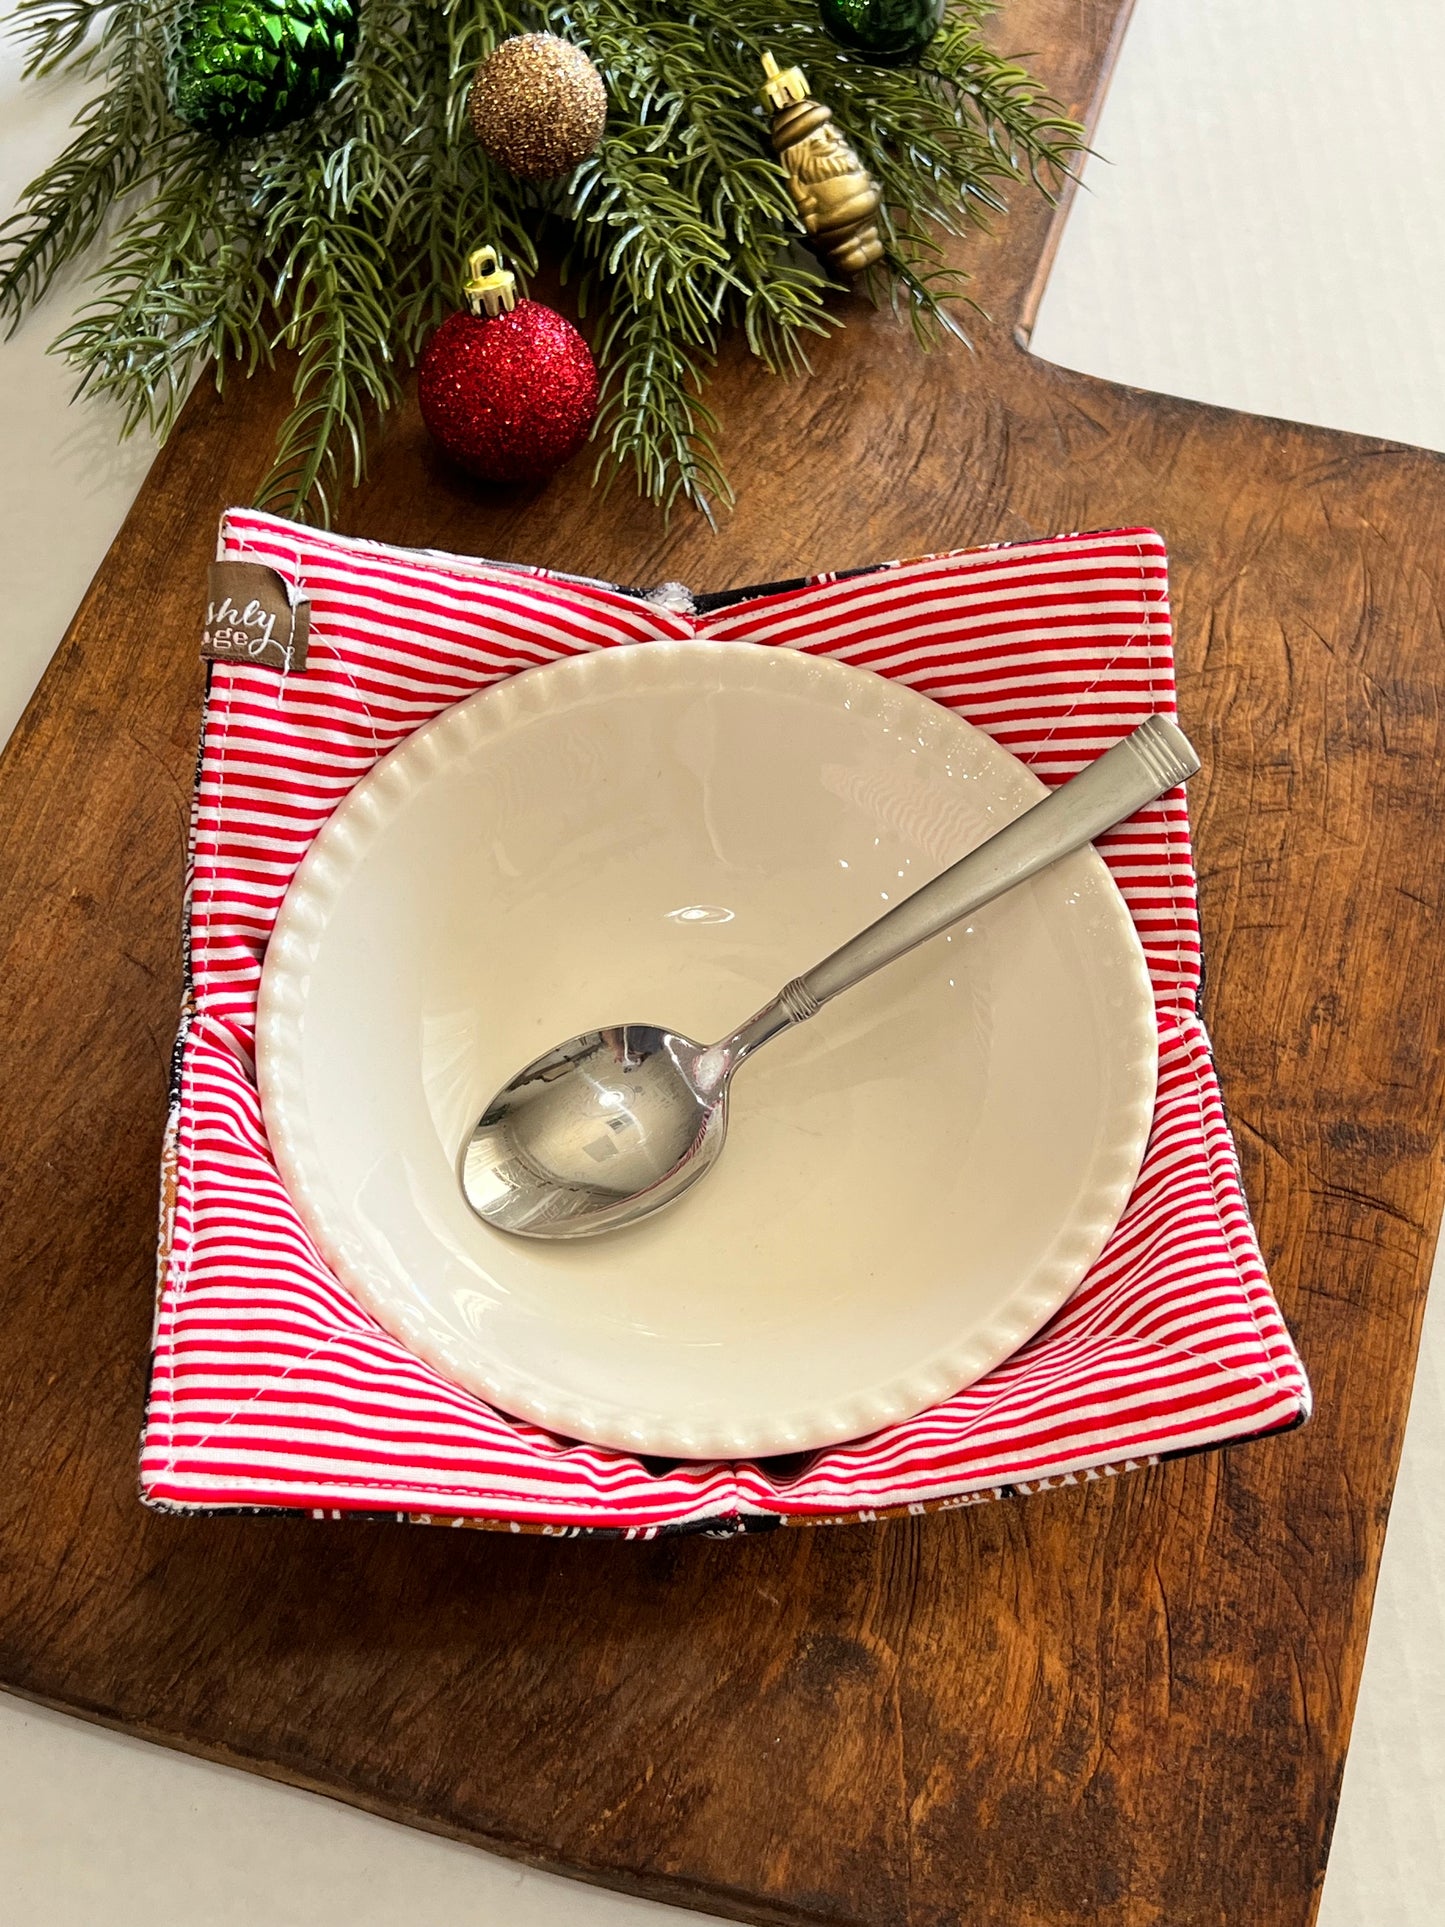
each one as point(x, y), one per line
point(836, 195)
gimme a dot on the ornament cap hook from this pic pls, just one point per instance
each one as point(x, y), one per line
point(489, 288)
point(783, 86)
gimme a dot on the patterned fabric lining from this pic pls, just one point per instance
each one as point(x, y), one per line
point(272, 1388)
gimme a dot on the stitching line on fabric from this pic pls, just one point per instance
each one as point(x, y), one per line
point(270, 1385)
point(1126, 644)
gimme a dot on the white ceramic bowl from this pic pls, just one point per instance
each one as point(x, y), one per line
point(913, 1182)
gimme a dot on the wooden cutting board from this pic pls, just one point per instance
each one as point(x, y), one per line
point(1126, 1703)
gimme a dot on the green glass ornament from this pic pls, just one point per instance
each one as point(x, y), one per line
point(242, 67)
point(888, 30)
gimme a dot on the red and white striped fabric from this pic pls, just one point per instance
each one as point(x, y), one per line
point(271, 1387)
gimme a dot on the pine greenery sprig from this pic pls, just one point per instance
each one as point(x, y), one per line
point(340, 238)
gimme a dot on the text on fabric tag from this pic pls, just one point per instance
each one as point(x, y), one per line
point(251, 618)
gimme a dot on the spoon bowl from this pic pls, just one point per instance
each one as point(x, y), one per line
point(610, 1125)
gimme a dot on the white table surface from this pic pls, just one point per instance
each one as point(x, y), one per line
point(1317, 300)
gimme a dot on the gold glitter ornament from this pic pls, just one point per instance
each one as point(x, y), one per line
point(537, 106)
point(835, 194)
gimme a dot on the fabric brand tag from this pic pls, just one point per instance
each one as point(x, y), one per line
point(251, 617)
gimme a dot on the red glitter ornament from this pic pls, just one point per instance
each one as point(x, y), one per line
point(509, 388)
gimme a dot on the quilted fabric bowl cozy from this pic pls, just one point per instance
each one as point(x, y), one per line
point(272, 1388)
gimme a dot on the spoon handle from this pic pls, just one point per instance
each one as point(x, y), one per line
point(1150, 760)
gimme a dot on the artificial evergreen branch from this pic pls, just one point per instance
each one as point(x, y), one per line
point(341, 237)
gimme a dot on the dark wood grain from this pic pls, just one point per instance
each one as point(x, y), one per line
point(1126, 1705)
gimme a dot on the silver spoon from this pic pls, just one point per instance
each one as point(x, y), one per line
point(614, 1124)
